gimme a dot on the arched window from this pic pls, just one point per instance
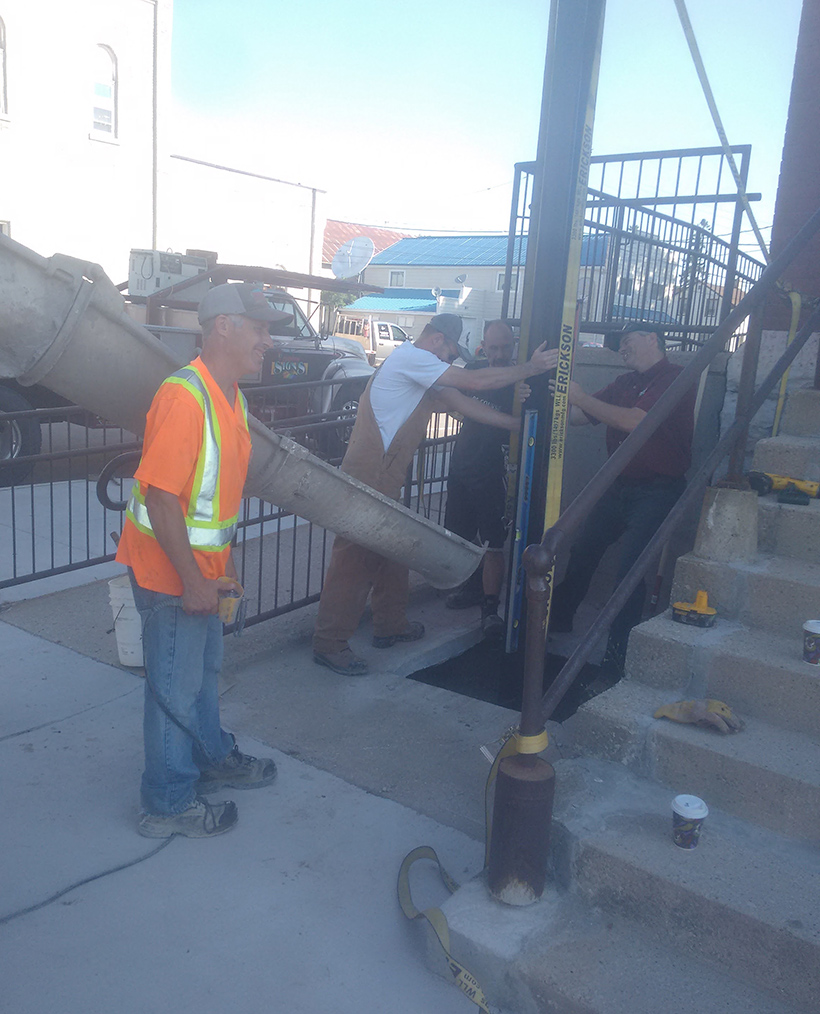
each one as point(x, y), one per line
point(104, 123)
point(4, 99)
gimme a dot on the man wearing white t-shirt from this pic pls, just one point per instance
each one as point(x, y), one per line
point(412, 383)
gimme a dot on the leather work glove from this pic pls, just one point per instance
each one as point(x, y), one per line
point(712, 713)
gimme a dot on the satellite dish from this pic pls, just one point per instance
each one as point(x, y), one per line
point(353, 257)
point(436, 291)
point(461, 279)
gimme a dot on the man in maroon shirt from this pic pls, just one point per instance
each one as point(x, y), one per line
point(643, 494)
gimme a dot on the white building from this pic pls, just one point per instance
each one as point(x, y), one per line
point(88, 163)
point(425, 275)
point(81, 133)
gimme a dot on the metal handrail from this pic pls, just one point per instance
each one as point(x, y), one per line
point(539, 558)
point(617, 600)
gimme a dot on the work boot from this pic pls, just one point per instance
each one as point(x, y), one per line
point(344, 662)
point(201, 820)
point(414, 632)
point(492, 626)
point(238, 771)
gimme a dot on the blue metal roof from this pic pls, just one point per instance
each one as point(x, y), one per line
point(456, 251)
point(395, 300)
point(474, 251)
point(378, 304)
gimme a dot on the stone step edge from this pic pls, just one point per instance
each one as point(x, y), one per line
point(687, 660)
point(722, 888)
point(772, 565)
point(565, 955)
point(728, 636)
point(630, 706)
point(590, 792)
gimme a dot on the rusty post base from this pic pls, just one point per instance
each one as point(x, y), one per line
point(522, 815)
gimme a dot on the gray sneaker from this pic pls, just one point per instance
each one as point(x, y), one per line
point(201, 820)
point(238, 771)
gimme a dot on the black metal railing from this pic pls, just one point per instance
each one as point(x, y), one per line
point(52, 520)
point(661, 243)
point(539, 559)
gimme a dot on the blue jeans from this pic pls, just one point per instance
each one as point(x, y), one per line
point(631, 510)
point(181, 730)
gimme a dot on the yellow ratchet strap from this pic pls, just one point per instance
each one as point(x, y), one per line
point(463, 978)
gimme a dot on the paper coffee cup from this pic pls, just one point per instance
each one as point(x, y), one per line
point(811, 642)
point(688, 815)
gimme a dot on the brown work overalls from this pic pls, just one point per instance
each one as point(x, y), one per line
point(354, 570)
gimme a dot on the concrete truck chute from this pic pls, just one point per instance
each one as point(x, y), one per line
point(63, 325)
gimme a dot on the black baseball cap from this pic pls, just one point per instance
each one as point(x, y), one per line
point(244, 298)
point(643, 327)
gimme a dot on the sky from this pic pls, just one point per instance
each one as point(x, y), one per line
point(412, 115)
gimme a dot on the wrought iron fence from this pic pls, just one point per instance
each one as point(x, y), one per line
point(52, 521)
point(680, 267)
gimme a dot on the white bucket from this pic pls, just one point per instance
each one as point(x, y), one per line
point(127, 621)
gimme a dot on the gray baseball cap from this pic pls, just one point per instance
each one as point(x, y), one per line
point(449, 324)
point(244, 298)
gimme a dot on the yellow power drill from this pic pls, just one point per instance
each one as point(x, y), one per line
point(798, 491)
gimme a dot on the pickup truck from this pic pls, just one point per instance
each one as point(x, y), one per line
point(377, 337)
point(279, 393)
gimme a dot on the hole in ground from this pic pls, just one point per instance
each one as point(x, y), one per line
point(486, 672)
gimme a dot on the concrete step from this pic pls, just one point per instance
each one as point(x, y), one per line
point(798, 457)
point(744, 899)
point(562, 956)
point(772, 593)
point(758, 674)
point(801, 416)
point(789, 530)
point(764, 774)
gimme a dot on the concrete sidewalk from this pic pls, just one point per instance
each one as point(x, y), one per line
point(294, 911)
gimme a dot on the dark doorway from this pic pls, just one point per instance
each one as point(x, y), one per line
point(486, 672)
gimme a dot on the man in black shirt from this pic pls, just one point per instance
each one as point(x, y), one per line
point(476, 487)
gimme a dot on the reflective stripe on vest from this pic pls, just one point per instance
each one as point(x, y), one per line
point(205, 531)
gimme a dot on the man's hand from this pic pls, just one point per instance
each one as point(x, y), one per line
point(201, 597)
point(522, 392)
point(583, 405)
point(543, 359)
point(576, 416)
point(199, 594)
point(574, 391)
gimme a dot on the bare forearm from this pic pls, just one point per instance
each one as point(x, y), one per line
point(200, 596)
point(494, 377)
point(489, 379)
point(168, 523)
point(460, 404)
point(625, 419)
